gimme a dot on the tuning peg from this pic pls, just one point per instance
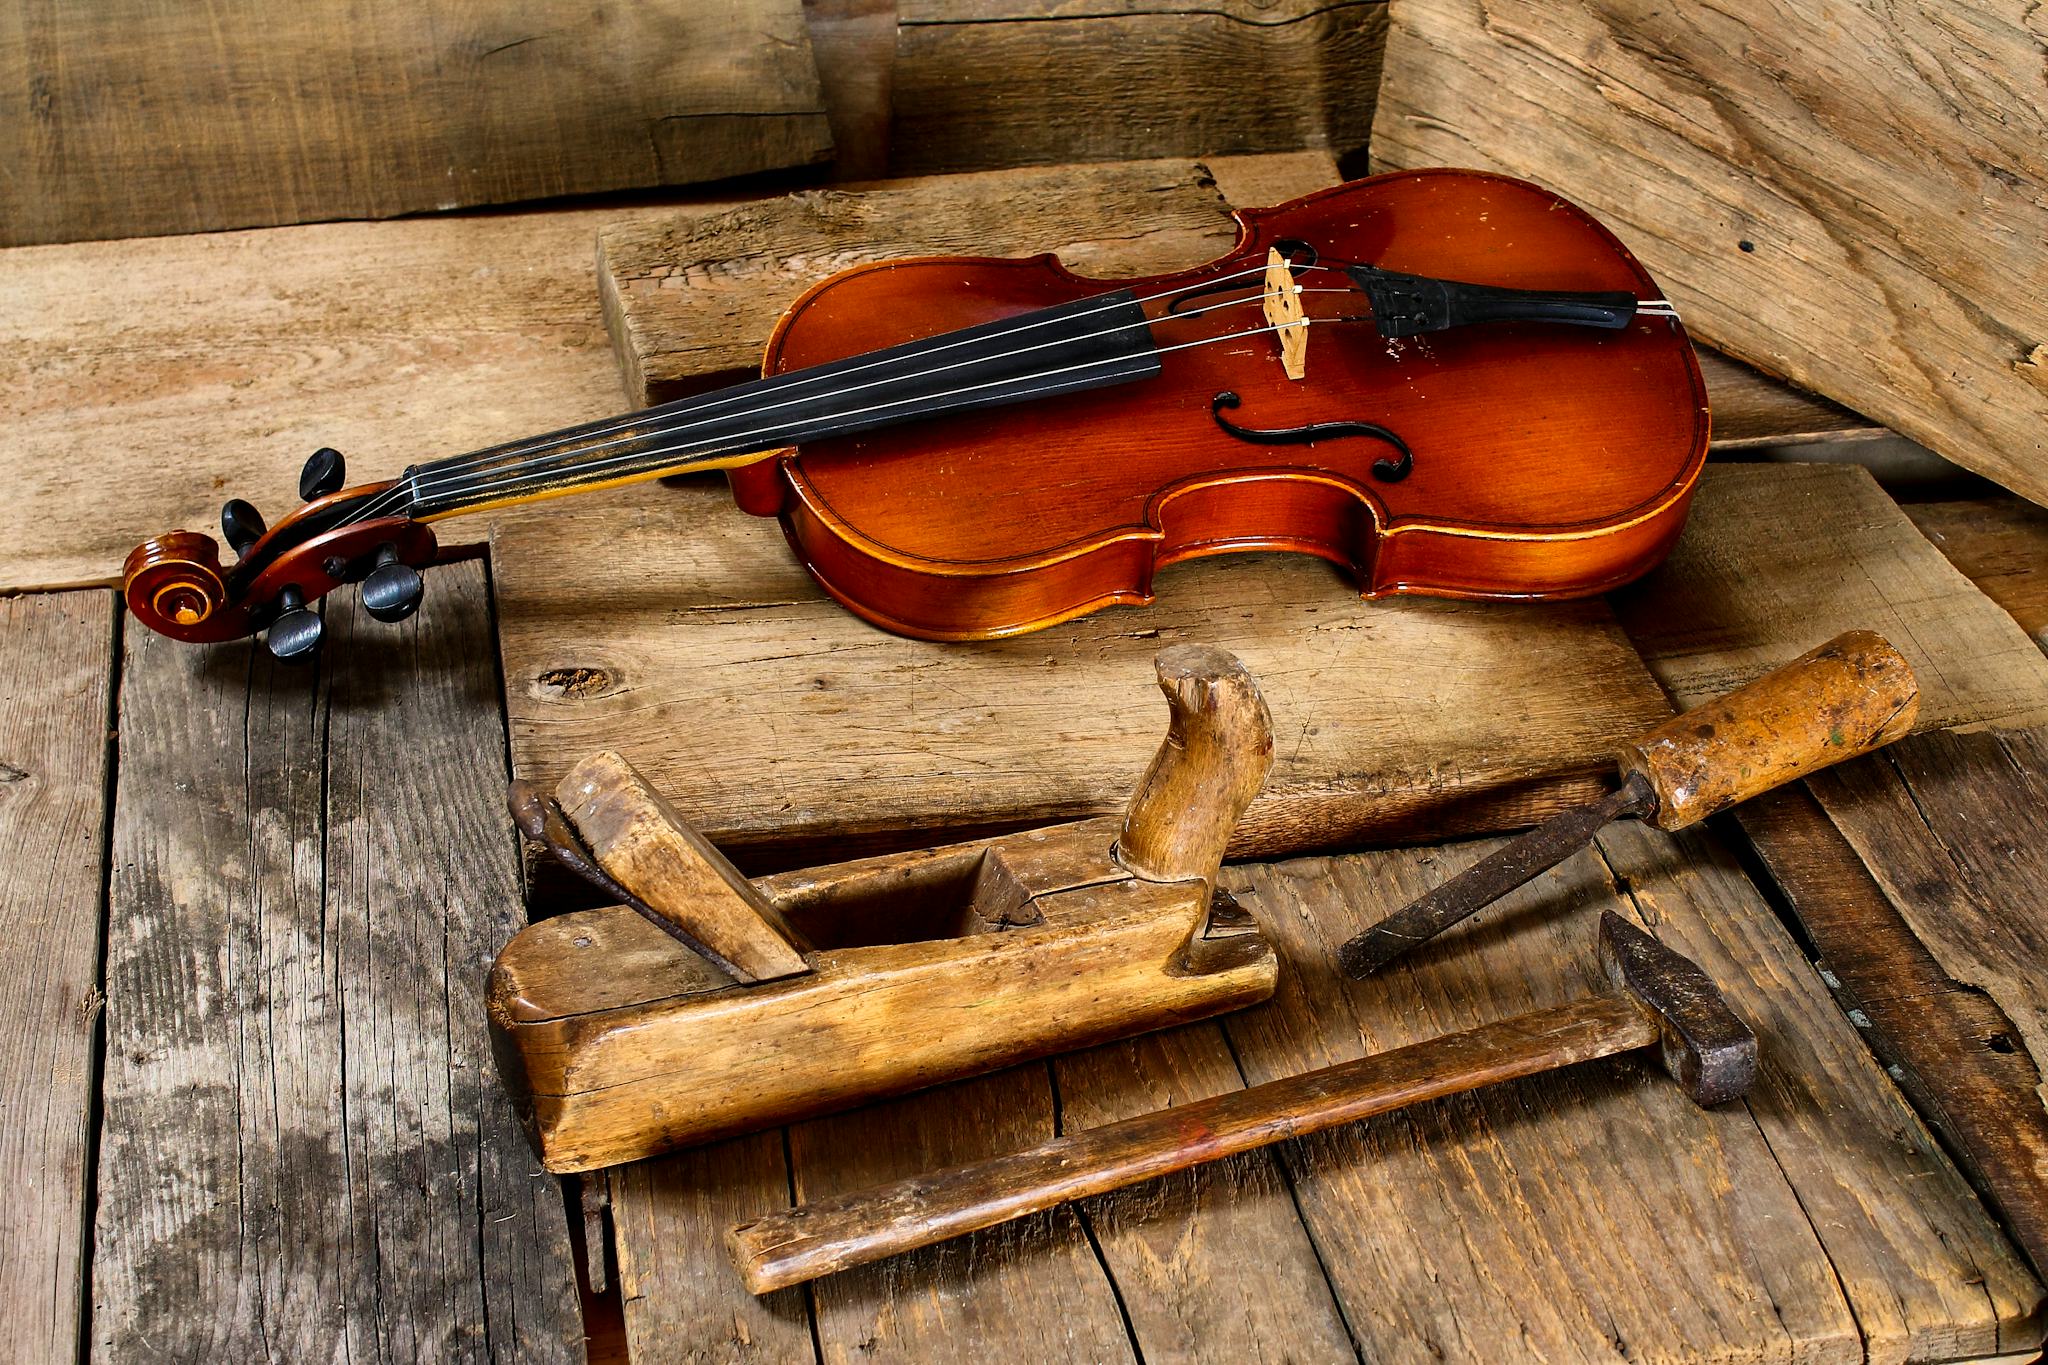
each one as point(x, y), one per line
point(241, 525)
point(324, 472)
point(295, 633)
point(393, 590)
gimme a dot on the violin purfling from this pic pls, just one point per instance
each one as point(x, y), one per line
point(1451, 383)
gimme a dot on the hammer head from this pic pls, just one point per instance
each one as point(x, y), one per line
point(1710, 1052)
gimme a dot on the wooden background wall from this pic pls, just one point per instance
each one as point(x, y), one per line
point(147, 117)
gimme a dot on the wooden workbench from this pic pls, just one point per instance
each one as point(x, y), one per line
point(247, 910)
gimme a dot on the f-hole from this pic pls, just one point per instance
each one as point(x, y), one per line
point(1384, 469)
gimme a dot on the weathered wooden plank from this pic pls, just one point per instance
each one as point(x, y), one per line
point(1017, 82)
point(142, 119)
point(684, 1301)
point(1777, 558)
point(1751, 409)
point(144, 382)
point(304, 1153)
point(691, 295)
point(1954, 827)
point(1926, 1272)
point(56, 695)
point(1842, 196)
point(2002, 545)
point(1213, 1263)
point(1028, 1290)
point(1567, 1218)
point(1950, 1046)
point(1596, 1212)
point(681, 632)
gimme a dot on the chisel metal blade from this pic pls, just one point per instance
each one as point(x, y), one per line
point(1492, 877)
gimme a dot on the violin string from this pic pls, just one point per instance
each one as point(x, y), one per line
point(926, 373)
point(745, 441)
point(700, 404)
point(411, 487)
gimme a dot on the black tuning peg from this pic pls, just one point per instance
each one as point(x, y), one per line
point(241, 525)
point(393, 590)
point(295, 633)
point(324, 472)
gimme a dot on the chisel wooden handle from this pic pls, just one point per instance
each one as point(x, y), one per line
point(1851, 695)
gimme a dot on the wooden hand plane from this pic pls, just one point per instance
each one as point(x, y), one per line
point(715, 1004)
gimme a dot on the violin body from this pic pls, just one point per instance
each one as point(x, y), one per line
point(1547, 461)
point(1448, 382)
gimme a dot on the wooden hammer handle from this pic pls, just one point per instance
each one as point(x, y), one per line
point(852, 1229)
point(1851, 695)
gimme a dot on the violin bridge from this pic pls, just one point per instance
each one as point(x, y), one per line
point(1283, 313)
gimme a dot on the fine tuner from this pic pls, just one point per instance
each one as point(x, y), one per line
point(1550, 452)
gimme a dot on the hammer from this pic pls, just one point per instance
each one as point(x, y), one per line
point(1661, 999)
point(1844, 698)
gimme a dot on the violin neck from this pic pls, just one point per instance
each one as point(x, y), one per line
point(1090, 343)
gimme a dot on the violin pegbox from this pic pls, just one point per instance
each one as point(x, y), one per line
point(176, 584)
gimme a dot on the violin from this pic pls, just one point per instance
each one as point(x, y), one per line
point(1450, 383)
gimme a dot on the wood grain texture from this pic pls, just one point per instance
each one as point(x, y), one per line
point(1949, 1045)
point(1842, 197)
point(1213, 1263)
point(1554, 1217)
point(1955, 829)
point(691, 296)
point(681, 625)
point(1751, 409)
point(56, 696)
point(1016, 82)
point(1929, 1276)
point(1598, 1207)
point(143, 383)
point(1777, 558)
point(1032, 1289)
point(143, 119)
point(683, 1299)
point(2002, 545)
point(304, 1154)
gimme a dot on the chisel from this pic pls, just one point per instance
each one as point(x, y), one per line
point(1851, 695)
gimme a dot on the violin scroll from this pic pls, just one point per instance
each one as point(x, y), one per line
point(177, 586)
point(174, 585)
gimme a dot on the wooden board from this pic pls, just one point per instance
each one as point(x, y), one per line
point(690, 295)
point(679, 631)
point(141, 119)
point(304, 1152)
point(1842, 196)
point(2002, 545)
point(1951, 1046)
point(1573, 1217)
point(1562, 1216)
point(1777, 558)
point(56, 698)
point(1016, 82)
point(143, 383)
point(1954, 828)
